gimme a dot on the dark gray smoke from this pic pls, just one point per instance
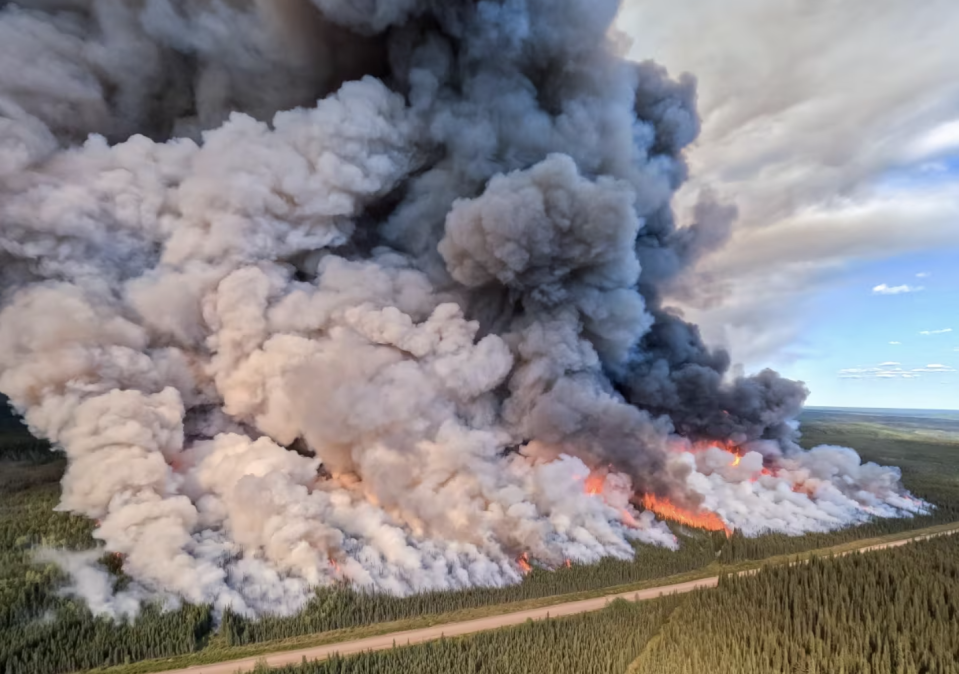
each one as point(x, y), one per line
point(370, 291)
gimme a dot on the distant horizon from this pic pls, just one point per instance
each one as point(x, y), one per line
point(885, 409)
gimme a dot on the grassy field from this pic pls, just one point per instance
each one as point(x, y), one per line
point(48, 633)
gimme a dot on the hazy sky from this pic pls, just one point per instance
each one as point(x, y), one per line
point(834, 126)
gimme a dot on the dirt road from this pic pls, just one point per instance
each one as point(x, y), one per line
point(468, 627)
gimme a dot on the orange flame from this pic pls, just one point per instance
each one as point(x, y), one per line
point(737, 460)
point(703, 519)
point(569, 564)
point(594, 484)
point(523, 562)
point(725, 445)
point(336, 567)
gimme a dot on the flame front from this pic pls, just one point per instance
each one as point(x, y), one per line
point(703, 519)
point(523, 562)
point(725, 445)
point(594, 484)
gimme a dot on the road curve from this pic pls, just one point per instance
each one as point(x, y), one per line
point(417, 636)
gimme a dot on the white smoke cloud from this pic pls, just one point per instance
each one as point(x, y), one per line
point(317, 325)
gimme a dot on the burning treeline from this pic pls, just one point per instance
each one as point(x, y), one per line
point(372, 292)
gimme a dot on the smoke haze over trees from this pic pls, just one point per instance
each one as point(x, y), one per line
point(311, 294)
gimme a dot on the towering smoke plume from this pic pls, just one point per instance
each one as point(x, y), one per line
point(371, 291)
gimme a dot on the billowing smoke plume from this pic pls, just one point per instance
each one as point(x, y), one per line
point(318, 291)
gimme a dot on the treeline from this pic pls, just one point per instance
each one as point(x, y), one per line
point(889, 612)
point(16, 443)
point(47, 633)
point(604, 642)
point(739, 548)
point(43, 632)
point(76, 640)
point(337, 608)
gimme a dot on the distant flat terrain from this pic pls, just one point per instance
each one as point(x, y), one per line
point(929, 424)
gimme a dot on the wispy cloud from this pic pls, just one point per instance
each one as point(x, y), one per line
point(898, 343)
point(923, 274)
point(893, 370)
point(887, 370)
point(936, 332)
point(935, 367)
point(883, 289)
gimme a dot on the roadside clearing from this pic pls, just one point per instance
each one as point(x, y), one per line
point(425, 628)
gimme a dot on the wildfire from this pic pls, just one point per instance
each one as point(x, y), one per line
point(594, 484)
point(523, 561)
point(569, 564)
point(709, 521)
point(725, 445)
point(737, 460)
point(336, 567)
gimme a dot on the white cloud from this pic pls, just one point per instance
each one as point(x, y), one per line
point(935, 367)
point(895, 343)
point(940, 140)
point(887, 370)
point(800, 133)
point(923, 274)
point(893, 370)
point(936, 332)
point(883, 289)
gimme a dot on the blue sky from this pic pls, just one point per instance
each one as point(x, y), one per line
point(835, 131)
point(866, 349)
point(885, 333)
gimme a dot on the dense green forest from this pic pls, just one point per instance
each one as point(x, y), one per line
point(889, 612)
point(46, 633)
point(595, 643)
